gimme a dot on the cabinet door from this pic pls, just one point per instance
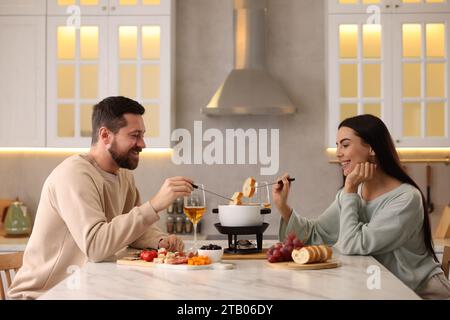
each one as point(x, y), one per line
point(140, 51)
point(76, 79)
point(421, 6)
point(140, 7)
point(358, 70)
point(86, 7)
point(22, 7)
point(358, 6)
point(421, 80)
point(22, 81)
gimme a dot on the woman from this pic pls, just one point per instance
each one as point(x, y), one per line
point(379, 211)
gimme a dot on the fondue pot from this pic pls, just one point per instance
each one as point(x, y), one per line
point(241, 215)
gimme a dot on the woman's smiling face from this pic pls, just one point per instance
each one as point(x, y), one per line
point(351, 149)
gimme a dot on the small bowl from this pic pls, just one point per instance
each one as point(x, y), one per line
point(214, 255)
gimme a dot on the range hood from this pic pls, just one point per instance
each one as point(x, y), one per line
point(249, 89)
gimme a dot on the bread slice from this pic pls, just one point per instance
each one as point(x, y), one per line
point(248, 189)
point(324, 251)
point(301, 256)
point(313, 254)
point(318, 257)
point(236, 199)
point(329, 252)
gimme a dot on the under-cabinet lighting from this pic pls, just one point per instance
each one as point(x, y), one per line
point(63, 151)
point(413, 155)
point(410, 149)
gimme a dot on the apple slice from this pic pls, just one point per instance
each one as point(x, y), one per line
point(248, 189)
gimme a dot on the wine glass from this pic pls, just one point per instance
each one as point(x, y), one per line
point(262, 194)
point(194, 208)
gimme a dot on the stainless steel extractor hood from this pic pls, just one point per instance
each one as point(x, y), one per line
point(249, 89)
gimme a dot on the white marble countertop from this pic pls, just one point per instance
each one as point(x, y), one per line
point(250, 279)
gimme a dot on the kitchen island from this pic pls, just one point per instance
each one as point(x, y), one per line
point(249, 280)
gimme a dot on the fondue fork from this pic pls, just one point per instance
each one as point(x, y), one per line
point(218, 195)
point(278, 182)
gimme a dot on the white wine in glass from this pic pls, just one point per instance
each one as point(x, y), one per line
point(194, 208)
point(262, 194)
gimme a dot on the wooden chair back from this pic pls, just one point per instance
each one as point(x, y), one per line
point(8, 262)
point(446, 260)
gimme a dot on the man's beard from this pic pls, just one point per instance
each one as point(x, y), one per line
point(124, 160)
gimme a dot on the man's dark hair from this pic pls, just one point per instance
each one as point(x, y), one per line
point(109, 113)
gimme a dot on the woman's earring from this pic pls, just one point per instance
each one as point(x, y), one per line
point(371, 156)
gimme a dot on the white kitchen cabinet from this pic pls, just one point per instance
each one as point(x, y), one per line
point(140, 68)
point(108, 56)
point(357, 6)
point(359, 61)
point(420, 6)
point(76, 79)
point(421, 85)
point(389, 6)
point(22, 81)
point(112, 7)
point(397, 70)
point(141, 7)
point(86, 7)
point(22, 7)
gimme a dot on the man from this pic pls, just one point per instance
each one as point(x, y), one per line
point(90, 207)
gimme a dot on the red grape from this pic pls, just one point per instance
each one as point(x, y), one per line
point(278, 245)
point(286, 253)
point(277, 253)
point(290, 248)
point(291, 236)
point(297, 243)
point(288, 242)
point(280, 252)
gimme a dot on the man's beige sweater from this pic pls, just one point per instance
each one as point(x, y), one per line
point(84, 214)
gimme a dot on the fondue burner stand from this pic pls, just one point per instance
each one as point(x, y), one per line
point(233, 232)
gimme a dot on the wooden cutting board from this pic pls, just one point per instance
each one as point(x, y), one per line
point(291, 265)
point(142, 263)
point(250, 256)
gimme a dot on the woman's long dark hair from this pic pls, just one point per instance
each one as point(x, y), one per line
point(374, 132)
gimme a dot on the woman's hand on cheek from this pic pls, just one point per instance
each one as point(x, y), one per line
point(361, 173)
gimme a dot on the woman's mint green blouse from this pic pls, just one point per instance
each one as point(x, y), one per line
point(389, 228)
